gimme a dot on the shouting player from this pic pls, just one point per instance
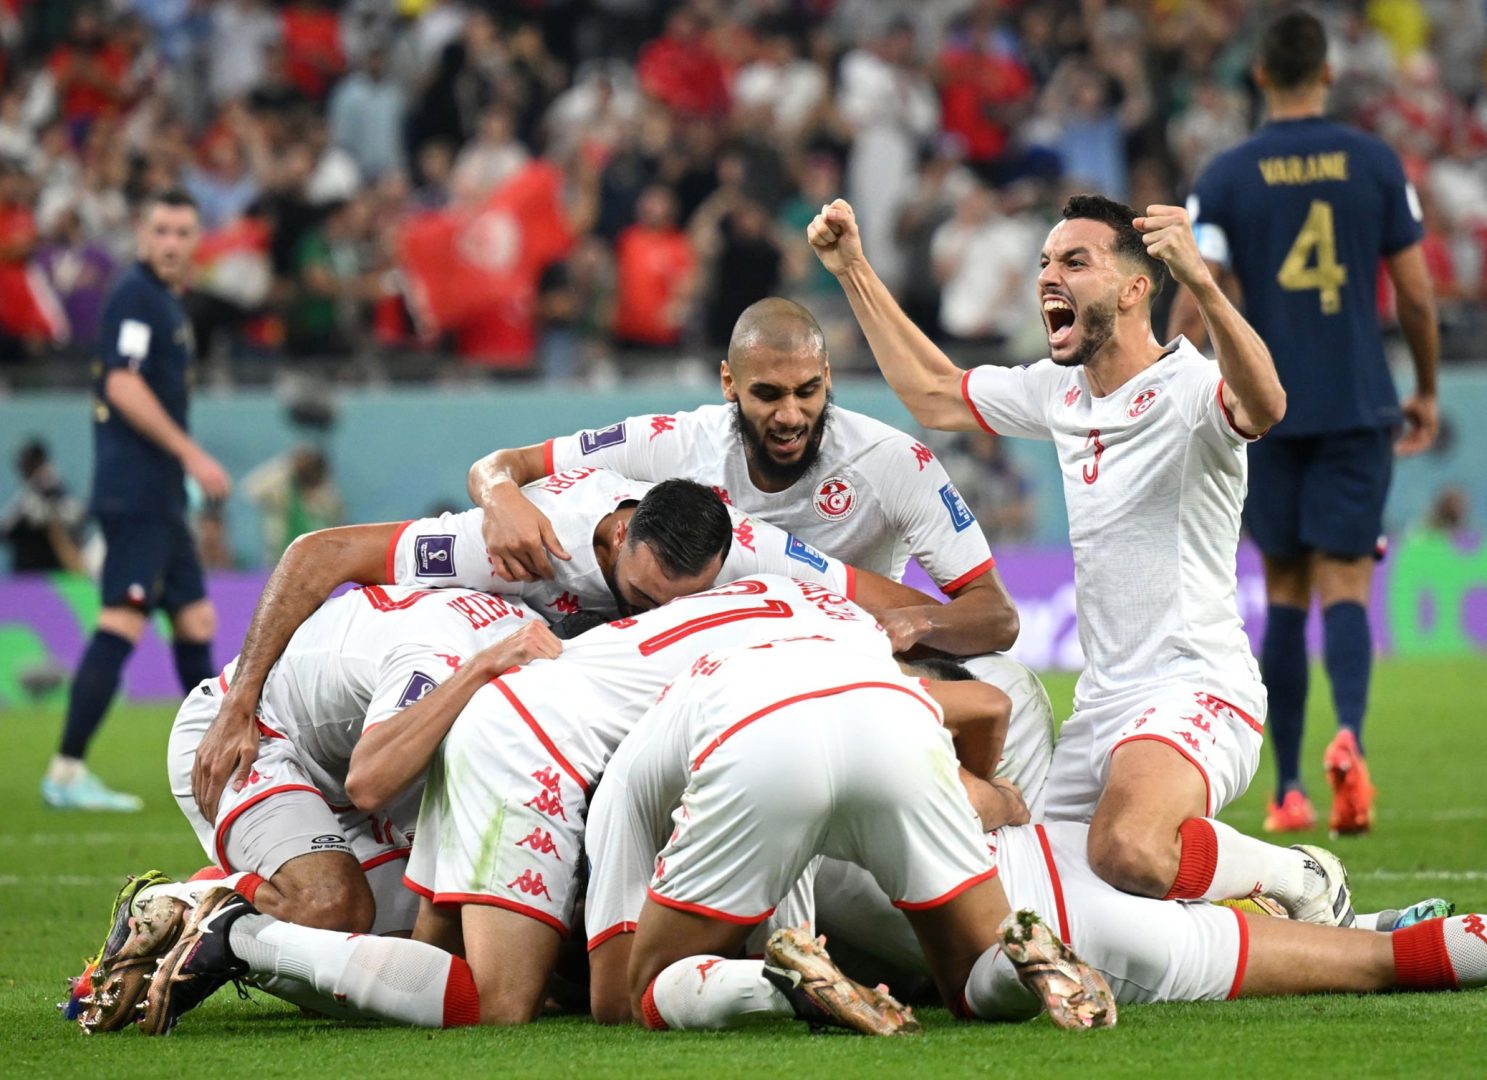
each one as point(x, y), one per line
point(1151, 439)
point(1300, 217)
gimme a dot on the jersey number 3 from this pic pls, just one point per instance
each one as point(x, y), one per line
point(1312, 261)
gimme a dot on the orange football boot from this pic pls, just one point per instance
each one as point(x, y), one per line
point(1292, 814)
point(1352, 791)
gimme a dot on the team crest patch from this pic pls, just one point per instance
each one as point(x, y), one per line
point(1141, 402)
point(435, 555)
point(960, 514)
point(591, 441)
point(418, 687)
point(835, 499)
point(802, 552)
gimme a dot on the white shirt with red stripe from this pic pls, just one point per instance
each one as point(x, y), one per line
point(583, 703)
point(364, 656)
point(875, 497)
point(1154, 481)
point(450, 550)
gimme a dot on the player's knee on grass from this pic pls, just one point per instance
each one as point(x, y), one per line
point(609, 988)
point(325, 891)
point(1132, 855)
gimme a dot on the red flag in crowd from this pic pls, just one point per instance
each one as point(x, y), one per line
point(476, 273)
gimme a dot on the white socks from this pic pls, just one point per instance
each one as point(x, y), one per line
point(393, 979)
point(708, 993)
point(1220, 863)
point(994, 992)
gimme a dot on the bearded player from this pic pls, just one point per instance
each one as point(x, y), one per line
point(1151, 440)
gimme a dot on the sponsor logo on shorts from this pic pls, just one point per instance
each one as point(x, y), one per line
point(418, 686)
point(531, 884)
point(960, 514)
point(802, 552)
point(435, 555)
point(541, 842)
point(592, 441)
point(549, 800)
point(835, 499)
point(1141, 402)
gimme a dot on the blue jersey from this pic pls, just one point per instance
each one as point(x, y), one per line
point(1302, 213)
point(144, 330)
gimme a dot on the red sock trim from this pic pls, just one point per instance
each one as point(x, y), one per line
point(654, 1021)
point(1243, 962)
point(1421, 961)
point(247, 887)
point(961, 1008)
point(461, 999)
point(1198, 861)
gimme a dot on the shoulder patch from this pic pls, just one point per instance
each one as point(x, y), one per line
point(960, 514)
point(134, 341)
point(802, 552)
point(434, 555)
point(599, 438)
point(419, 686)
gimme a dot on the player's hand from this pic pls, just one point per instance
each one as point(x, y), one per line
point(1014, 806)
point(833, 233)
point(1422, 424)
point(518, 537)
point(208, 472)
point(905, 627)
point(1168, 235)
point(531, 642)
point(225, 756)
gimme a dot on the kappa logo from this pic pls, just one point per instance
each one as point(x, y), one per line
point(922, 454)
point(1141, 402)
point(801, 552)
point(1474, 926)
point(541, 842)
point(549, 800)
point(960, 514)
point(451, 661)
point(662, 424)
point(531, 884)
point(1071, 395)
point(743, 532)
point(592, 441)
point(706, 966)
point(435, 555)
point(722, 493)
point(419, 686)
point(835, 499)
point(566, 604)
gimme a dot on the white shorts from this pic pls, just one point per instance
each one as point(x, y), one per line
point(1220, 739)
point(1149, 950)
point(857, 775)
point(502, 816)
point(280, 814)
point(1028, 752)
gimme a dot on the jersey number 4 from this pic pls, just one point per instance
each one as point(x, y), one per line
point(1312, 261)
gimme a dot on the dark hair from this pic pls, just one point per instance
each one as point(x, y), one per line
point(169, 197)
point(943, 668)
point(31, 456)
point(1128, 243)
point(1293, 50)
point(685, 524)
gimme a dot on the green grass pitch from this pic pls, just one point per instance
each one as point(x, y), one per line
point(58, 873)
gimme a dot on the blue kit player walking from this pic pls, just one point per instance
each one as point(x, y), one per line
point(142, 454)
point(1300, 217)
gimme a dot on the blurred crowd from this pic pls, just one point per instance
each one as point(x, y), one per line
point(564, 188)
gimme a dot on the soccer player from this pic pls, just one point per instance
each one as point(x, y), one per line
point(1151, 439)
point(781, 451)
point(142, 455)
point(1300, 217)
point(497, 844)
point(636, 546)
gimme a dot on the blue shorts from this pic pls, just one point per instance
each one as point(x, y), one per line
point(151, 562)
point(1320, 493)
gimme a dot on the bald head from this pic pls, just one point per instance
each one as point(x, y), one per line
point(776, 325)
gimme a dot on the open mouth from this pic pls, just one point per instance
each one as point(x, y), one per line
point(1058, 314)
point(786, 443)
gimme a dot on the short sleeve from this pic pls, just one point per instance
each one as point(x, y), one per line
point(1007, 401)
point(445, 551)
point(641, 448)
point(127, 332)
point(1200, 395)
point(1403, 216)
point(408, 673)
point(925, 509)
point(1208, 214)
point(761, 548)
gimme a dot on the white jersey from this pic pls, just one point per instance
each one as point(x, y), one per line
point(1154, 480)
point(364, 656)
point(586, 701)
point(875, 497)
point(450, 549)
